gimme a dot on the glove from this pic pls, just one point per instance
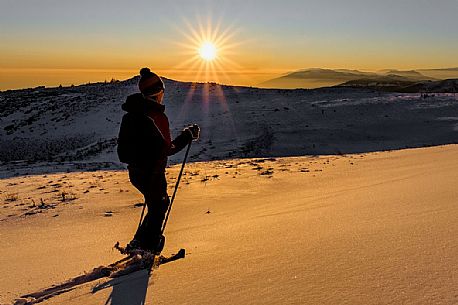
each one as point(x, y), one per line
point(194, 130)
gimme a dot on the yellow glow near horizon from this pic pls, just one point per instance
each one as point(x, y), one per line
point(208, 51)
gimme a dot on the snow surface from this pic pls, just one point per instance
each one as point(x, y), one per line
point(340, 223)
point(375, 228)
point(75, 128)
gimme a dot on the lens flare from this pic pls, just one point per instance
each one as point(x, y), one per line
point(208, 52)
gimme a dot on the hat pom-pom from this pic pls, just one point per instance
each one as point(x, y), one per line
point(145, 71)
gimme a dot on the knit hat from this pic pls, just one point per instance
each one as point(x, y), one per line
point(150, 83)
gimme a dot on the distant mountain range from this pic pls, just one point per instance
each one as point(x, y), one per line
point(314, 78)
point(388, 79)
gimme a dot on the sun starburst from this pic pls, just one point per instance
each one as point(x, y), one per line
point(208, 48)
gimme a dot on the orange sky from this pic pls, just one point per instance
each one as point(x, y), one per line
point(50, 43)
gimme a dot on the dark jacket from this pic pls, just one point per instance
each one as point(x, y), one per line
point(144, 136)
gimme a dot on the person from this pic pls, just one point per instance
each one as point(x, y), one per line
point(144, 142)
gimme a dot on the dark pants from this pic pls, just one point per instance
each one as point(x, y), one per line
point(153, 186)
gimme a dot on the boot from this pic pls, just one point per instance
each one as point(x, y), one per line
point(157, 245)
point(160, 245)
point(133, 245)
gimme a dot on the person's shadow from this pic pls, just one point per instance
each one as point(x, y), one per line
point(127, 290)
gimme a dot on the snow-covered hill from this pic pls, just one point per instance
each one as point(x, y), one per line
point(446, 85)
point(76, 127)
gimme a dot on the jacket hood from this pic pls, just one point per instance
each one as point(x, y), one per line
point(136, 103)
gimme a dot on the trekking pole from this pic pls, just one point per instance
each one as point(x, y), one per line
point(176, 188)
point(141, 217)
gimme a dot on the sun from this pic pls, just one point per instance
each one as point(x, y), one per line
point(208, 51)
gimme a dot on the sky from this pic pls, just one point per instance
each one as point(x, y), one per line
point(52, 42)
